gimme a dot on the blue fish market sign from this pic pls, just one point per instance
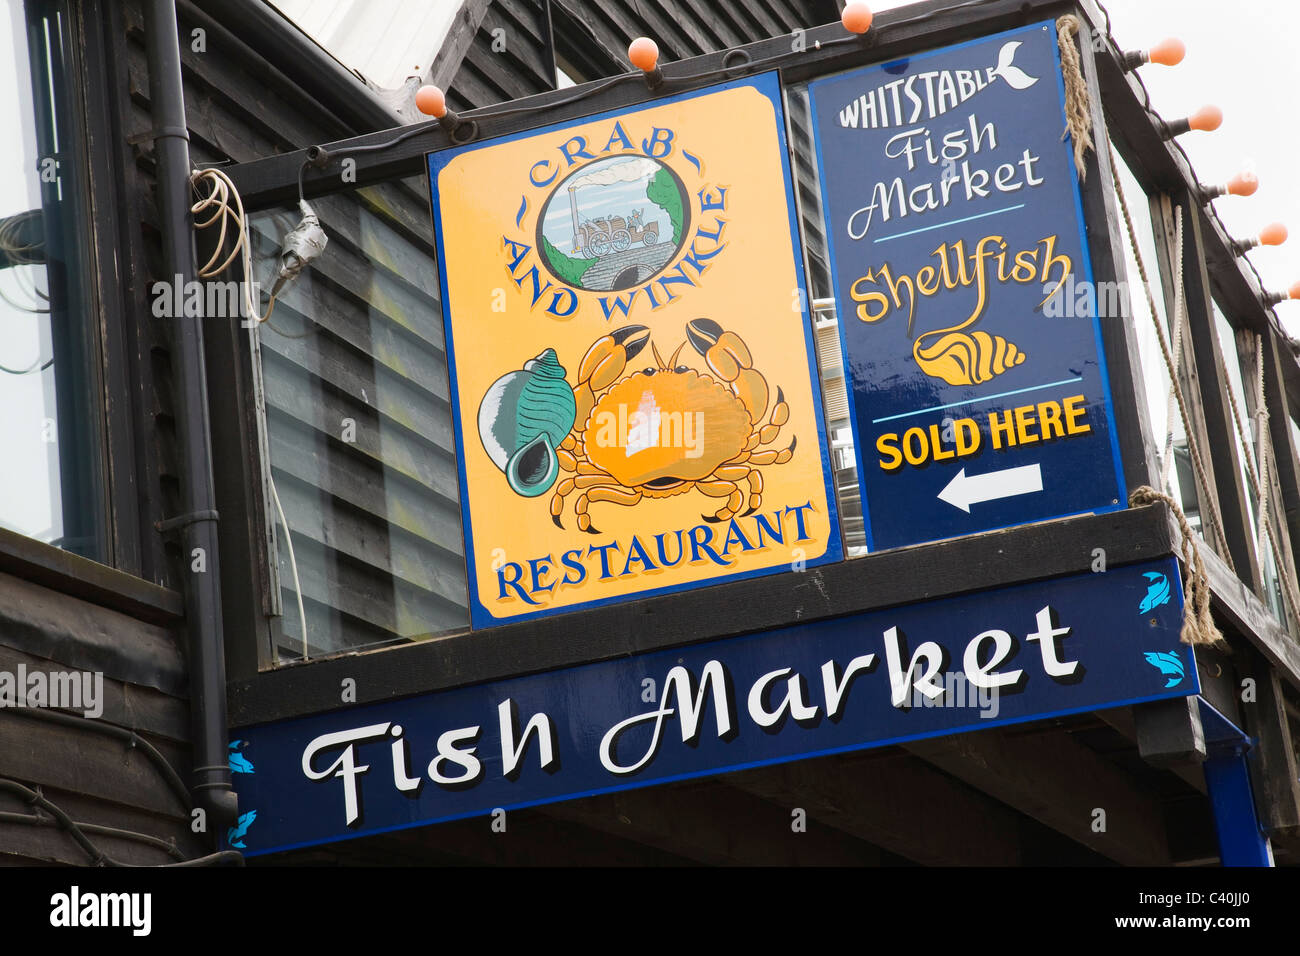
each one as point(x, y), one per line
point(1067, 645)
point(964, 291)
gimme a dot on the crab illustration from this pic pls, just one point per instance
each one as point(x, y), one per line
point(726, 413)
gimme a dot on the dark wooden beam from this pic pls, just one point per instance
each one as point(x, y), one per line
point(50, 623)
point(1204, 388)
point(89, 580)
point(1189, 821)
point(717, 824)
point(1061, 784)
point(1275, 776)
point(531, 838)
point(1284, 483)
point(1220, 684)
point(1169, 732)
point(895, 802)
point(894, 33)
point(887, 579)
point(1243, 611)
point(1123, 722)
point(1106, 245)
point(460, 37)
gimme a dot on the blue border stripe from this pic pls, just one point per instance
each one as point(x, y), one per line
point(734, 768)
point(976, 401)
point(1119, 501)
point(768, 85)
point(954, 222)
point(1169, 565)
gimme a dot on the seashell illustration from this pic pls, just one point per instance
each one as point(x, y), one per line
point(961, 358)
point(523, 418)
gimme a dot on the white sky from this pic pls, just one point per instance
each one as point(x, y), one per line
point(1243, 57)
point(384, 40)
point(28, 493)
point(1245, 62)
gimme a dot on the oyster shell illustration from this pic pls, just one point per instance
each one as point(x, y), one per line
point(961, 358)
point(523, 418)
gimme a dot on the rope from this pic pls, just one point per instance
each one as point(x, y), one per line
point(1261, 450)
point(1208, 502)
point(1078, 116)
point(1180, 324)
point(1198, 625)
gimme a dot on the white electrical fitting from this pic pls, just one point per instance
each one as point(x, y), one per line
point(303, 244)
point(223, 212)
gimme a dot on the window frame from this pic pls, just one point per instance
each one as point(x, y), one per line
point(92, 325)
point(121, 576)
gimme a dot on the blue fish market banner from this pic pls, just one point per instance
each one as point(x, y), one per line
point(1072, 644)
point(964, 291)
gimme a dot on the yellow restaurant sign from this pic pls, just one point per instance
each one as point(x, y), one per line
point(632, 372)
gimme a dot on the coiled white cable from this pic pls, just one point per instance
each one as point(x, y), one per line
point(225, 204)
point(220, 201)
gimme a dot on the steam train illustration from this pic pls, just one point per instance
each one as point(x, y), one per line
point(602, 236)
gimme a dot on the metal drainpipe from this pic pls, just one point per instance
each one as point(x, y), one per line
point(210, 782)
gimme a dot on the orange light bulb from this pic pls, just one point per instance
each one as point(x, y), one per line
point(1274, 234)
point(431, 101)
point(857, 17)
point(1206, 119)
point(1243, 184)
point(1294, 291)
point(1168, 52)
point(643, 52)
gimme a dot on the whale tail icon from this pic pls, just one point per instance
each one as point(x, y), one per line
point(1016, 78)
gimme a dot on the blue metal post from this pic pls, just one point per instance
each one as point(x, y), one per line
point(1241, 842)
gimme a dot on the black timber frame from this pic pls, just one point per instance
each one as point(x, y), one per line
point(872, 582)
point(828, 48)
point(1213, 274)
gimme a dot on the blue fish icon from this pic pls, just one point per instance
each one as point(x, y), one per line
point(235, 835)
point(1157, 591)
point(238, 762)
point(1166, 663)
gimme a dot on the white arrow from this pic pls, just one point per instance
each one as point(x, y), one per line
point(964, 491)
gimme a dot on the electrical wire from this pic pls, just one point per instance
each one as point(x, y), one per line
point(726, 70)
point(1210, 211)
point(133, 739)
point(351, 151)
point(31, 291)
point(293, 562)
point(41, 820)
point(291, 335)
point(22, 254)
point(78, 831)
point(37, 364)
point(220, 201)
point(34, 367)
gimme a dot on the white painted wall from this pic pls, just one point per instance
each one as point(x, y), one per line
point(384, 40)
